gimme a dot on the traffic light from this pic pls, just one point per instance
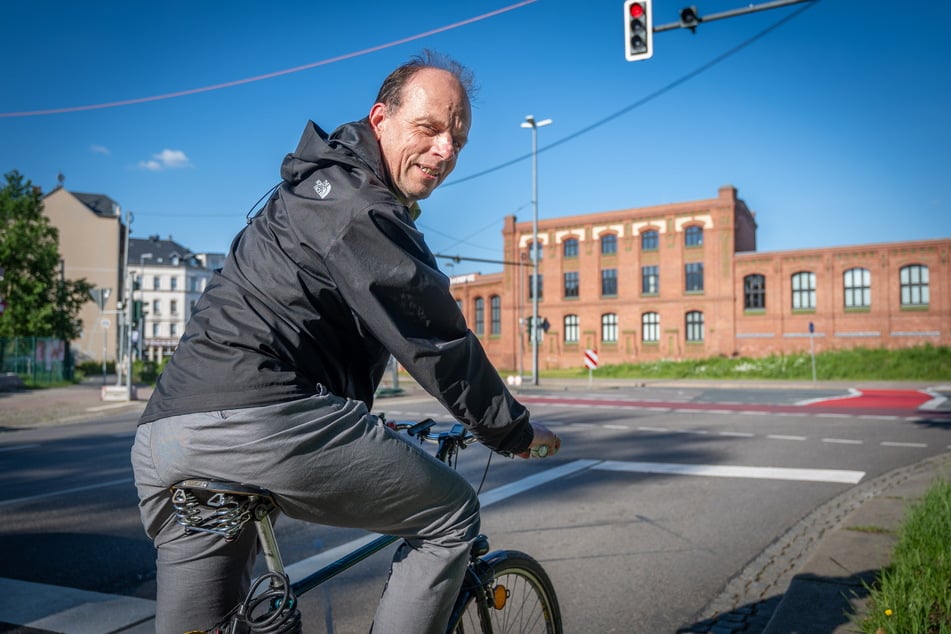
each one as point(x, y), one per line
point(638, 30)
point(689, 19)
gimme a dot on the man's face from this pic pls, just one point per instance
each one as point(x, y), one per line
point(421, 140)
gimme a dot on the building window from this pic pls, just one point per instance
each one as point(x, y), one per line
point(571, 329)
point(608, 244)
point(571, 284)
point(650, 280)
point(693, 236)
point(479, 315)
point(649, 241)
point(571, 248)
point(914, 285)
point(173, 330)
point(173, 307)
point(155, 330)
point(156, 283)
point(541, 288)
point(609, 328)
point(754, 292)
point(695, 326)
point(694, 276)
point(857, 284)
point(535, 251)
point(803, 290)
point(174, 282)
point(650, 327)
point(156, 307)
point(495, 317)
point(609, 281)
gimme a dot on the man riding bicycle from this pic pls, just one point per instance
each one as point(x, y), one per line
point(275, 374)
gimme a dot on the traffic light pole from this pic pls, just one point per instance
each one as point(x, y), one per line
point(687, 23)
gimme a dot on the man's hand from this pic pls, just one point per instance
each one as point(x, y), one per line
point(545, 444)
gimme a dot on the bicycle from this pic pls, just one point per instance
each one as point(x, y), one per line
point(503, 592)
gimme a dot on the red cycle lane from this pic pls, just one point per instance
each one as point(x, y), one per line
point(860, 403)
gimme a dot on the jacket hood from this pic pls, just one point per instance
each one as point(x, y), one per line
point(351, 144)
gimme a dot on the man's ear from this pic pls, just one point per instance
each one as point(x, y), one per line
point(377, 117)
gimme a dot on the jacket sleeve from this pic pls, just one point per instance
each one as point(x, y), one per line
point(388, 276)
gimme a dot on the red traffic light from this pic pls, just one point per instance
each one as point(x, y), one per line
point(637, 10)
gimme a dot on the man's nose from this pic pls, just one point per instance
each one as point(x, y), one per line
point(444, 146)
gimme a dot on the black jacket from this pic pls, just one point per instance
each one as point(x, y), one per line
point(319, 289)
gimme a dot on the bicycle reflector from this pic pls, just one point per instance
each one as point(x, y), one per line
point(638, 30)
point(500, 595)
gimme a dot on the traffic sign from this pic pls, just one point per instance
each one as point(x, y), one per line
point(591, 359)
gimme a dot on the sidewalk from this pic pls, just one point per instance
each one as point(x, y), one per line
point(23, 408)
point(810, 581)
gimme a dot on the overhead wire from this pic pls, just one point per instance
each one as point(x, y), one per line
point(287, 71)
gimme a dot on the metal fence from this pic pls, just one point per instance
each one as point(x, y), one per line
point(37, 360)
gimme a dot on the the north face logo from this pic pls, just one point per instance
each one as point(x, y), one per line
point(322, 188)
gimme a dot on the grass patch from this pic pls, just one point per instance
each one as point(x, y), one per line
point(921, 363)
point(913, 594)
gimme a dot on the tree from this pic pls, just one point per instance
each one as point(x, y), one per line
point(39, 301)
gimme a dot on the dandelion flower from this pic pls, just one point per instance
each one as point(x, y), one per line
point(888, 612)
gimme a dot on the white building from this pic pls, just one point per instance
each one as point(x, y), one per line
point(169, 280)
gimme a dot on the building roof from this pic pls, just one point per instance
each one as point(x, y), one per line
point(99, 204)
point(155, 251)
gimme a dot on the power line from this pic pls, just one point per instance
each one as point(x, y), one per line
point(637, 104)
point(288, 71)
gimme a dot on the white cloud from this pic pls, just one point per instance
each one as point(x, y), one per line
point(166, 159)
point(99, 149)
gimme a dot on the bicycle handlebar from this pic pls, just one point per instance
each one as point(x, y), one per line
point(457, 437)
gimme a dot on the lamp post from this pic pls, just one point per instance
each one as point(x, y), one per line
point(534, 125)
point(141, 325)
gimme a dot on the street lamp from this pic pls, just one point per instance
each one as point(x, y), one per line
point(142, 258)
point(534, 125)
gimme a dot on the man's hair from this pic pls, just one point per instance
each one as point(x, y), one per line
point(391, 91)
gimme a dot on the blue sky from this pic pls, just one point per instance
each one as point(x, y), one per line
point(834, 126)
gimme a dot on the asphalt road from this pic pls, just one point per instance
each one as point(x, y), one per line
point(658, 499)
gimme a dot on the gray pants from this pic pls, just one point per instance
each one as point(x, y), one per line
point(327, 461)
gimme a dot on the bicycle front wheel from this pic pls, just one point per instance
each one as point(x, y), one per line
point(518, 599)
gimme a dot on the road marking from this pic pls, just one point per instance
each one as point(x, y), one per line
point(733, 471)
point(310, 565)
point(916, 445)
point(89, 487)
point(782, 437)
point(737, 434)
point(621, 427)
point(843, 441)
point(18, 447)
point(662, 430)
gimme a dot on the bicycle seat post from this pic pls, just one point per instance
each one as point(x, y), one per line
point(265, 529)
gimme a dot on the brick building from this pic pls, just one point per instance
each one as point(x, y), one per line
point(684, 280)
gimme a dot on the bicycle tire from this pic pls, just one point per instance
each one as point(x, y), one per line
point(529, 603)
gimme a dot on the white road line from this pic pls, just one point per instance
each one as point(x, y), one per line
point(662, 430)
point(843, 441)
point(829, 415)
point(782, 437)
point(18, 447)
point(621, 427)
point(301, 569)
point(904, 444)
point(737, 434)
point(65, 491)
point(734, 471)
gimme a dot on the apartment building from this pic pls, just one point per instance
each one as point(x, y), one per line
point(91, 239)
point(169, 279)
point(684, 280)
